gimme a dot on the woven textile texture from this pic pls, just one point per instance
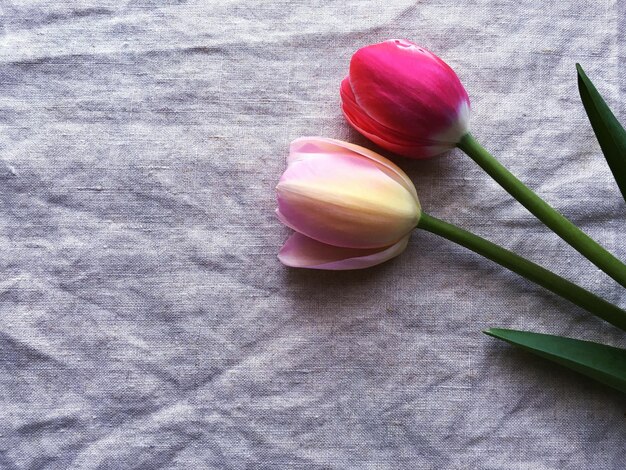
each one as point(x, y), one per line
point(145, 320)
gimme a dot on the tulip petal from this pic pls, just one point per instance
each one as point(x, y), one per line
point(349, 101)
point(312, 147)
point(300, 251)
point(414, 146)
point(343, 199)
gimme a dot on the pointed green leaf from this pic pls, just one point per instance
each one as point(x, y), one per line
point(609, 132)
point(603, 363)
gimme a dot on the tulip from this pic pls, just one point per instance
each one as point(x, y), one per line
point(405, 98)
point(409, 101)
point(350, 207)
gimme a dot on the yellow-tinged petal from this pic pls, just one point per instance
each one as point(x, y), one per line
point(347, 199)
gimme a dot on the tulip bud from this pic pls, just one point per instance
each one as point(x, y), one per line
point(405, 99)
point(351, 208)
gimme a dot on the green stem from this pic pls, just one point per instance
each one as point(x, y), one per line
point(544, 212)
point(531, 271)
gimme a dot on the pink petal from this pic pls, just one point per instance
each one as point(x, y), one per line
point(300, 251)
point(346, 200)
point(412, 147)
point(313, 147)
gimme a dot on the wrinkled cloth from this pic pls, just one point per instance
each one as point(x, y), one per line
point(146, 321)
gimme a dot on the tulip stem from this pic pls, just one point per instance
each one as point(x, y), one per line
point(543, 211)
point(531, 271)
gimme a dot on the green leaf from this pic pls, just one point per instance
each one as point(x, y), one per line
point(603, 363)
point(609, 132)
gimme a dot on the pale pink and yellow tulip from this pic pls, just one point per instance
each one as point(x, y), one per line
point(350, 207)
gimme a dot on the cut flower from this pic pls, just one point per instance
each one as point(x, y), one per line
point(351, 208)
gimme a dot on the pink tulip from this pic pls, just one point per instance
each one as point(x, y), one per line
point(405, 98)
point(350, 207)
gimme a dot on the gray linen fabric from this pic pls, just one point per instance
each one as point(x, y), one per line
point(145, 320)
